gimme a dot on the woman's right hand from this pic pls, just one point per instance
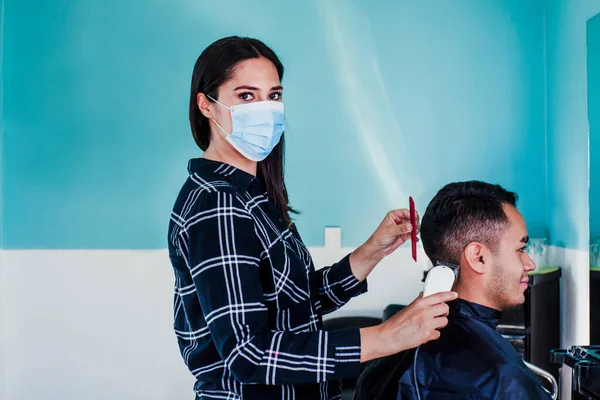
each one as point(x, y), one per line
point(417, 323)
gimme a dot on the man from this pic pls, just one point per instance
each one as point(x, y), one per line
point(476, 227)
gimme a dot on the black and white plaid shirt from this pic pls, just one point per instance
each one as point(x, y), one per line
point(248, 301)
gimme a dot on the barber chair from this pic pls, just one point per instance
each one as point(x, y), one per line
point(547, 376)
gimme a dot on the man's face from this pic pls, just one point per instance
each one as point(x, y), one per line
point(511, 264)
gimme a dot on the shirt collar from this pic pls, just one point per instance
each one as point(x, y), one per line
point(487, 315)
point(239, 178)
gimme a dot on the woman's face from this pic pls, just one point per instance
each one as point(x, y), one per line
point(255, 79)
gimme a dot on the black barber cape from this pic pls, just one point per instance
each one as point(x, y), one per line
point(470, 360)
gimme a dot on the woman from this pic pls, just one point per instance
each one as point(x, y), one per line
point(248, 301)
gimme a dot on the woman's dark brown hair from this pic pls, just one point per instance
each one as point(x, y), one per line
point(214, 67)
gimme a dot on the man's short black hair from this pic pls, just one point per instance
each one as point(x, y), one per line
point(462, 213)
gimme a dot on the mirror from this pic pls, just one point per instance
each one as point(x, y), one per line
point(593, 70)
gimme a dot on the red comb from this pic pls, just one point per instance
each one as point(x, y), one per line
point(413, 222)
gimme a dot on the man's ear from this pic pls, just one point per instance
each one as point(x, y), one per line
point(204, 105)
point(477, 256)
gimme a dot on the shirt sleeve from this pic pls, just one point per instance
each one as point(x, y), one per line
point(336, 285)
point(220, 245)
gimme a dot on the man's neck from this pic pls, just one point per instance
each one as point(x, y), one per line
point(474, 296)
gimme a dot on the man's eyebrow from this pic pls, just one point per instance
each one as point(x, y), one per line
point(525, 239)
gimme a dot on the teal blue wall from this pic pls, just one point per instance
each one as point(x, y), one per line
point(593, 70)
point(567, 121)
point(383, 99)
point(1, 121)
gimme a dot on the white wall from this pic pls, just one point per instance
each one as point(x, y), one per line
point(574, 303)
point(91, 325)
point(80, 324)
point(3, 348)
point(98, 324)
point(397, 279)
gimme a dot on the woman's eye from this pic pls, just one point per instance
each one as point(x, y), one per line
point(275, 96)
point(246, 96)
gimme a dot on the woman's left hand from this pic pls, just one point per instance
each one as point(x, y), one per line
point(394, 230)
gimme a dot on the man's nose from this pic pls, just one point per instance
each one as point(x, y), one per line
point(529, 264)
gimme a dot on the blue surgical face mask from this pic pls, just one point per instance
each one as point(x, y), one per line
point(256, 127)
